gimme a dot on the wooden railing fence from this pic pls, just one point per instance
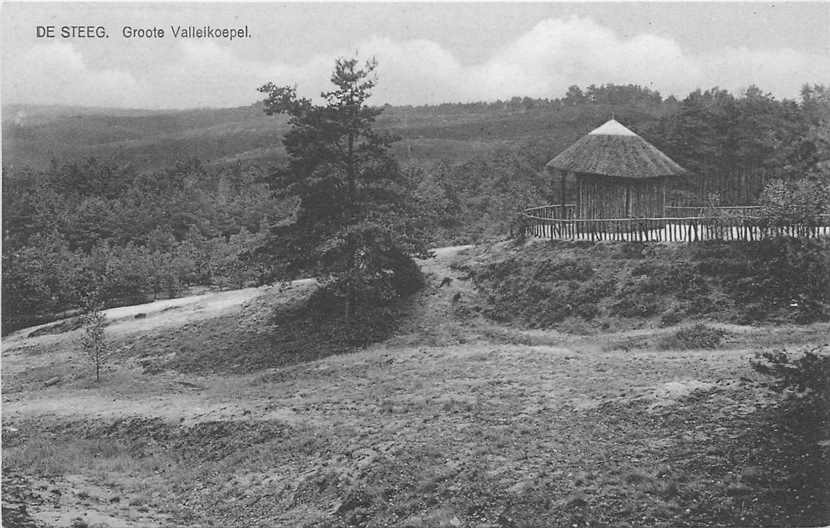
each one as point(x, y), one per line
point(542, 222)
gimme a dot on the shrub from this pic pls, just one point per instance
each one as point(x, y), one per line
point(535, 293)
point(701, 305)
point(568, 269)
point(808, 376)
point(797, 427)
point(79, 523)
point(680, 278)
point(671, 317)
point(693, 337)
point(631, 250)
point(751, 313)
point(354, 309)
point(796, 202)
point(788, 273)
point(785, 276)
point(804, 379)
point(646, 268)
point(635, 306)
point(587, 311)
point(594, 291)
point(496, 270)
point(551, 311)
point(518, 229)
point(722, 267)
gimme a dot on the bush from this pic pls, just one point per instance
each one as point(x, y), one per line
point(797, 202)
point(546, 313)
point(783, 276)
point(789, 274)
point(693, 337)
point(568, 269)
point(496, 271)
point(646, 268)
point(680, 278)
point(631, 250)
point(594, 291)
point(587, 311)
point(671, 317)
point(808, 377)
point(701, 305)
point(518, 229)
point(751, 313)
point(635, 306)
point(797, 428)
point(359, 307)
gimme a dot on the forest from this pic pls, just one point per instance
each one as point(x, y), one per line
point(100, 219)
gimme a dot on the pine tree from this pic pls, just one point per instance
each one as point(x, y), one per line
point(349, 225)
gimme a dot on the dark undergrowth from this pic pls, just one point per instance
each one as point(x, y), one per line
point(615, 285)
point(796, 444)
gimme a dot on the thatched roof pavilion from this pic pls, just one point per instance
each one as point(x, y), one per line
point(617, 174)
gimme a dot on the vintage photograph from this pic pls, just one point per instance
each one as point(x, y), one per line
point(416, 265)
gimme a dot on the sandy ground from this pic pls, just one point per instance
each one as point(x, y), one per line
point(157, 314)
point(448, 381)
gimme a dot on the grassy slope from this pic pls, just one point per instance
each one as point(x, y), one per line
point(456, 421)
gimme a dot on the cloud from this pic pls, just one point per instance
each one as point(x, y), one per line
point(542, 62)
point(56, 73)
point(781, 72)
point(558, 53)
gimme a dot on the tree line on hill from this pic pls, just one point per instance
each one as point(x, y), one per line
point(715, 133)
point(128, 235)
point(85, 228)
point(604, 94)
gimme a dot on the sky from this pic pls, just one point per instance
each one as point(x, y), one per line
point(427, 52)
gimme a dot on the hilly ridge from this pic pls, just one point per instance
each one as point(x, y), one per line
point(34, 136)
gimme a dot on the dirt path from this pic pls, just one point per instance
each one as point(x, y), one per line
point(445, 288)
point(142, 317)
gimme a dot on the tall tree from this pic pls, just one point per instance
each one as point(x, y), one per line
point(347, 225)
point(815, 146)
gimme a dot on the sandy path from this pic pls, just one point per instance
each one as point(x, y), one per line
point(158, 314)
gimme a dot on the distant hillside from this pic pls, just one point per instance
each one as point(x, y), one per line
point(35, 135)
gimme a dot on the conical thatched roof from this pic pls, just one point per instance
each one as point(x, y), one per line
point(613, 150)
